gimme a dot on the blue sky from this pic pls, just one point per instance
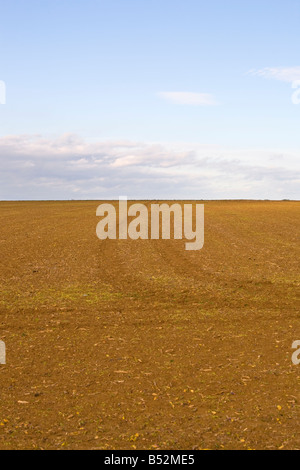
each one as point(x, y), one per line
point(179, 99)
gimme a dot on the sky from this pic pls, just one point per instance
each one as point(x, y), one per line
point(153, 99)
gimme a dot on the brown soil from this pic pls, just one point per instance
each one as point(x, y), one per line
point(143, 345)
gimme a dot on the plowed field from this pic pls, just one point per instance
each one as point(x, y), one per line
point(143, 345)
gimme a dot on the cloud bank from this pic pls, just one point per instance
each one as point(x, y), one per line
point(67, 167)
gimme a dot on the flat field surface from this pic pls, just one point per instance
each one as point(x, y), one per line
point(143, 345)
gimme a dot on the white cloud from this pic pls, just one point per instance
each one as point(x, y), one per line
point(194, 99)
point(283, 74)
